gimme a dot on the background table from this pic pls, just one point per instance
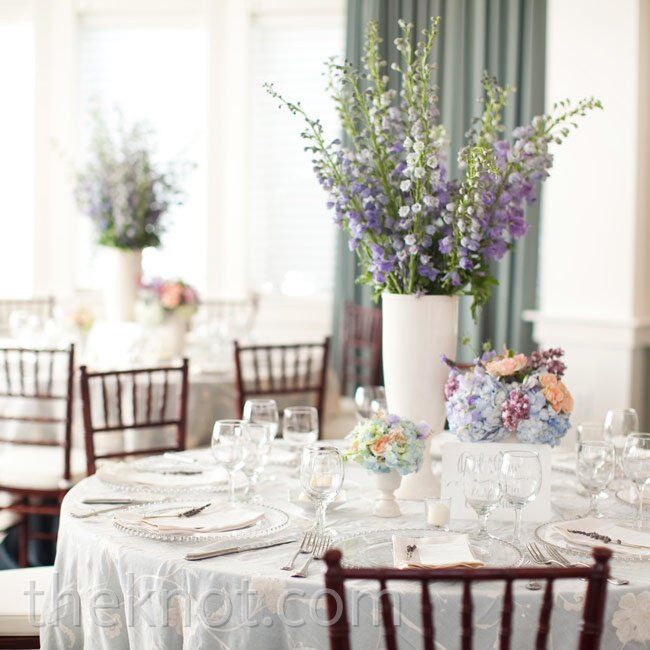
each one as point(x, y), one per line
point(93, 556)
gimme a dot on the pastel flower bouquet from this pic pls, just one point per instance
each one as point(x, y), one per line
point(159, 299)
point(505, 394)
point(385, 442)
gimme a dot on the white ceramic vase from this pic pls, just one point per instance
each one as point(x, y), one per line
point(172, 333)
point(122, 281)
point(386, 505)
point(416, 332)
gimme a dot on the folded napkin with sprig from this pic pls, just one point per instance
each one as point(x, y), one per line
point(591, 532)
point(440, 552)
point(218, 518)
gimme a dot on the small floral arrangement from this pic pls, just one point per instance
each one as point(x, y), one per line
point(160, 298)
point(386, 442)
point(81, 319)
point(508, 393)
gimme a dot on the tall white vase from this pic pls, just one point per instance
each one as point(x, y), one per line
point(416, 332)
point(122, 280)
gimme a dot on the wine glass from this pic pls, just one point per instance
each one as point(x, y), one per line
point(321, 477)
point(300, 425)
point(257, 442)
point(636, 465)
point(618, 425)
point(229, 450)
point(480, 474)
point(369, 400)
point(595, 465)
point(521, 479)
point(589, 431)
point(263, 411)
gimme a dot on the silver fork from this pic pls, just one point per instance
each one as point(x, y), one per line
point(306, 546)
point(564, 561)
point(320, 546)
point(537, 554)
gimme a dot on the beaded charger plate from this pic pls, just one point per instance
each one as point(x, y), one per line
point(273, 521)
point(374, 548)
point(548, 534)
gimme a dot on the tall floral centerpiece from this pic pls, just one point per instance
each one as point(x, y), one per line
point(510, 396)
point(126, 194)
point(423, 238)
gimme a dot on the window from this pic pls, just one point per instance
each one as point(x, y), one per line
point(290, 231)
point(156, 73)
point(17, 121)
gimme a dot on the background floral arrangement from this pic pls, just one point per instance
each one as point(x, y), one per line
point(160, 298)
point(510, 393)
point(386, 442)
point(123, 191)
point(415, 229)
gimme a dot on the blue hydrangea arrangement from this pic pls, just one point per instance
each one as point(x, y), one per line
point(386, 442)
point(505, 394)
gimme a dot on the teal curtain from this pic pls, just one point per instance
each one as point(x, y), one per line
point(507, 38)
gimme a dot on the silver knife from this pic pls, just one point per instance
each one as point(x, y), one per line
point(203, 554)
point(115, 501)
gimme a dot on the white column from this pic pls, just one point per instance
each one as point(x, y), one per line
point(594, 293)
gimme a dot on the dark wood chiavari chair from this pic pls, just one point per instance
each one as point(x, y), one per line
point(360, 345)
point(43, 308)
point(275, 370)
point(105, 399)
point(33, 479)
point(592, 616)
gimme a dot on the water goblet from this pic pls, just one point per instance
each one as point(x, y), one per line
point(257, 442)
point(321, 477)
point(300, 425)
point(636, 465)
point(617, 426)
point(595, 465)
point(521, 480)
point(263, 411)
point(589, 431)
point(369, 400)
point(481, 474)
point(229, 450)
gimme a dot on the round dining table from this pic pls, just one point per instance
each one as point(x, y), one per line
point(114, 590)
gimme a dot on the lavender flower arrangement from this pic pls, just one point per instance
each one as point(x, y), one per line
point(160, 298)
point(122, 190)
point(508, 393)
point(384, 442)
point(415, 229)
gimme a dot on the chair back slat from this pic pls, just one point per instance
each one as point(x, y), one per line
point(360, 347)
point(505, 632)
point(592, 617)
point(466, 616)
point(275, 370)
point(143, 413)
point(28, 365)
point(428, 627)
point(235, 315)
point(41, 308)
point(544, 622)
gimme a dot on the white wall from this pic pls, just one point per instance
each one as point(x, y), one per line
point(593, 296)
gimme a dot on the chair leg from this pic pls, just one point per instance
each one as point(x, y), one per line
point(23, 542)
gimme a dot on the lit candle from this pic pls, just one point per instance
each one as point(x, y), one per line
point(437, 512)
point(320, 481)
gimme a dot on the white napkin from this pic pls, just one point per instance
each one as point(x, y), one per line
point(442, 551)
point(219, 518)
point(631, 540)
point(155, 476)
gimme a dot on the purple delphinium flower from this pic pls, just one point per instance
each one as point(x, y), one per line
point(515, 409)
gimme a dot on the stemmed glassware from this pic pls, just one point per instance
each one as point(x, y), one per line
point(300, 425)
point(521, 480)
point(480, 474)
point(257, 442)
point(263, 411)
point(595, 464)
point(229, 450)
point(369, 400)
point(618, 425)
point(636, 465)
point(321, 477)
point(589, 431)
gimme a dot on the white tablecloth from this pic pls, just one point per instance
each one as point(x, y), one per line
point(246, 601)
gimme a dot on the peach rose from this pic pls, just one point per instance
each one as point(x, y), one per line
point(506, 366)
point(379, 447)
point(171, 296)
point(556, 393)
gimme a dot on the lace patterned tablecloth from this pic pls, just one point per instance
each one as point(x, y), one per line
point(118, 591)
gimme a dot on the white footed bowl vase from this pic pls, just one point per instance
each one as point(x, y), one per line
point(386, 505)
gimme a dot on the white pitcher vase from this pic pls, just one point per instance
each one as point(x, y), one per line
point(122, 281)
point(417, 331)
